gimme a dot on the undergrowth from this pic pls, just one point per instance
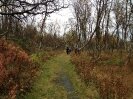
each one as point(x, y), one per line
point(18, 70)
point(109, 73)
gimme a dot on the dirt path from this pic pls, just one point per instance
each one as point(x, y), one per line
point(58, 80)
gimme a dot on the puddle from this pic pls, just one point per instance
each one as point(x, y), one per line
point(63, 80)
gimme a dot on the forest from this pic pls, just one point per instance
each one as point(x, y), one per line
point(88, 57)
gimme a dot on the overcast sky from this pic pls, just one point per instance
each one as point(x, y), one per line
point(61, 17)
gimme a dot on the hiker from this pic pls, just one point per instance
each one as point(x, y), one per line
point(68, 50)
point(77, 51)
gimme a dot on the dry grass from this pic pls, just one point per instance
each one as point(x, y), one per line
point(111, 75)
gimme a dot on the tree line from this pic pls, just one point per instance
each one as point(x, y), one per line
point(102, 25)
point(17, 22)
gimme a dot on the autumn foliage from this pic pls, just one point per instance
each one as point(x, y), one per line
point(16, 70)
point(112, 78)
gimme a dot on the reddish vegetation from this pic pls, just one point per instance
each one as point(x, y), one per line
point(16, 69)
point(112, 78)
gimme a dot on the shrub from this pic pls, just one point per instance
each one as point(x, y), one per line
point(106, 73)
point(16, 70)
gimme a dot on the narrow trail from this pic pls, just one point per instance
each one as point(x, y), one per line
point(58, 80)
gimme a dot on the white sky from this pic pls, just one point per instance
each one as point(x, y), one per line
point(61, 17)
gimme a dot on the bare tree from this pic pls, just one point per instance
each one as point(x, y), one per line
point(82, 14)
point(32, 7)
point(22, 9)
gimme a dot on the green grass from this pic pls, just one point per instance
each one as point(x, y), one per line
point(114, 62)
point(45, 86)
point(82, 90)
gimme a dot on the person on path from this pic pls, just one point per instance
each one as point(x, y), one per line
point(68, 50)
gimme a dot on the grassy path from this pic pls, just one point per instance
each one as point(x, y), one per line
point(58, 80)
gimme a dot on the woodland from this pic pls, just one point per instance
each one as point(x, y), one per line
point(33, 55)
